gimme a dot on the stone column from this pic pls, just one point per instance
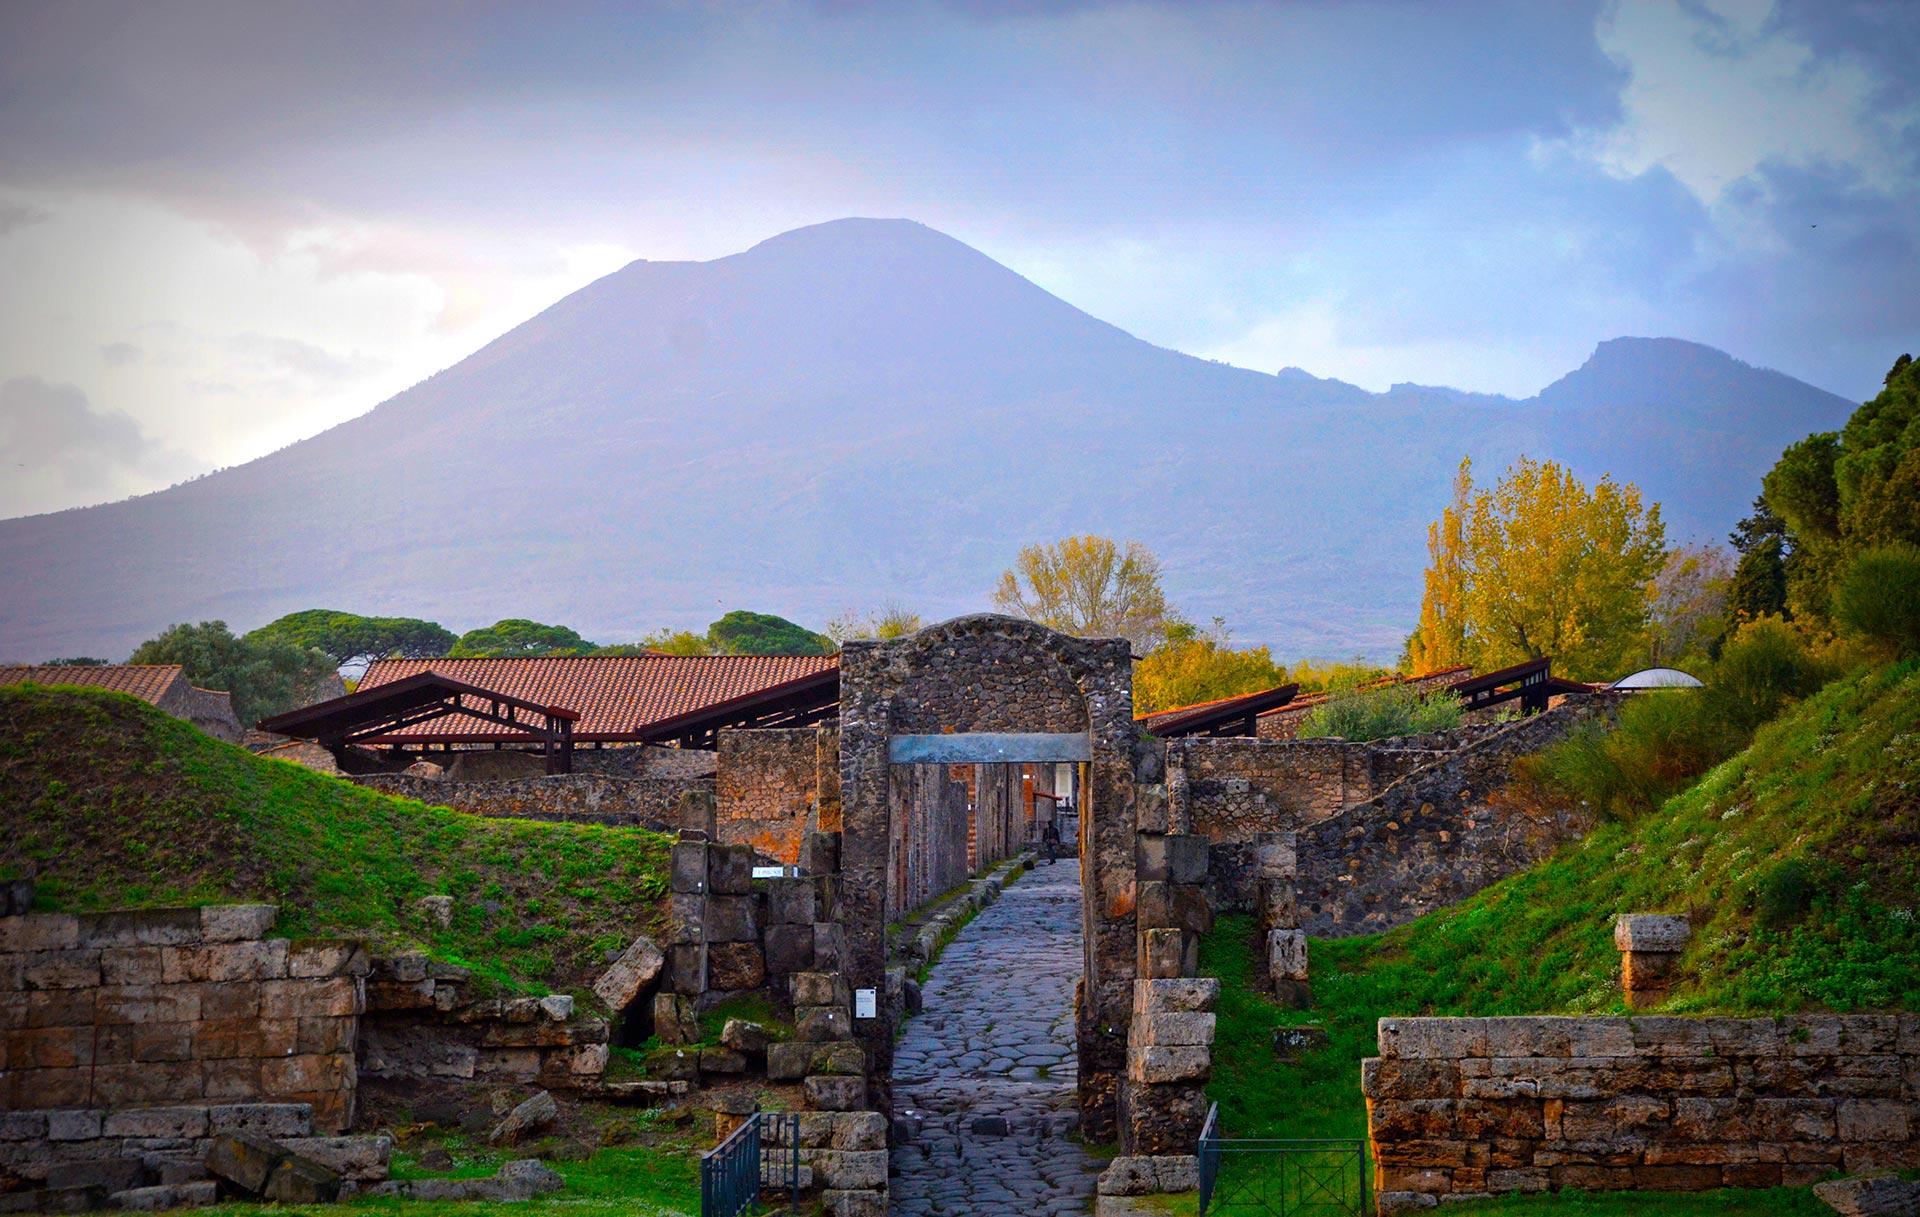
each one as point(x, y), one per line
point(1276, 867)
point(1650, 946)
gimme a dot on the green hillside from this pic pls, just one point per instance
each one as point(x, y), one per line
point(110, 804)
point(1798, 860)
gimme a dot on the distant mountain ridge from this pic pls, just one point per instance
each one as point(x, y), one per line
point(858, 413)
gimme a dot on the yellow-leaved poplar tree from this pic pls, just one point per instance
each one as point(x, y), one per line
point(1539, 565)
point(1191, 665)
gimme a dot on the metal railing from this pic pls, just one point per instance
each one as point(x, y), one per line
point(764, 1152)
point(1279, 1177)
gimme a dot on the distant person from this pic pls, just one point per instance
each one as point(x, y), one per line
point(1050, 838)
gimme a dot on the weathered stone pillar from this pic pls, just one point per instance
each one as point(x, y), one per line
point(1650, 946)
point(1169, 1059)
point(1276, 868)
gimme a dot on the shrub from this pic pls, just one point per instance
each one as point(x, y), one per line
point(1879, 597)
point(1762, 667)
point(1381, 713)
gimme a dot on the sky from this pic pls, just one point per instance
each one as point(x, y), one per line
point(228, 226)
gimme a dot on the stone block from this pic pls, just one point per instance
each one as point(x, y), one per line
point(155, 1122)
point(225, 961)
point(39, 932)
point(730, 870)
point(70, 1125)
point(296, 1180)
point(850, 1169)
point(16, 897)
point(820, 854)
point(789, 949)
point(109, 1174)
point(326, 957)
point(244, 1160)
point(70, 969)
point(1156, 1064)
point(532, 1115)
point(829, 946)
point(836, 1092)
point(690, 868)
point(788, 1062)
point(48, 1048)
point(861, 1202)
point(130, 966)
point(236, 922)
point(275, 1120)
point(820, 989)
point(140, 927)
point(1287, 954)
point(736, 966)
point(1874, 1120)
point(165, 1196)
point(859, 1130)
point(675, 1020)
point(1659, 932)
point(1182, 906)
point(791, 902)
point(360, 1159)
point(722, 1060)
point(43, 1088)
point(1166, 996)
point(1875, 1197)
point(817, 1023)
point(744, 1035)
point(732, 919)
point(1175, 1028)
point(687, 968)
point(1168, 953)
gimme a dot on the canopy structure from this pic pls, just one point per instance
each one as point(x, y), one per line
point(1659, 678)
point(1532, 683)
point(1224, 717)
point(375, 715)
point(800, 702)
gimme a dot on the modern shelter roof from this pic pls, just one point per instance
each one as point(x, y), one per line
point(1222, 716)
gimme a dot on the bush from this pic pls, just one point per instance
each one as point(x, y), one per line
point(1381, 713)
point(1879, 597)
point(1762, 667)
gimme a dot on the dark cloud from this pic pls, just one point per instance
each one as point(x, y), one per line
point(57, 450)
point(121, 354)
point(18, 215)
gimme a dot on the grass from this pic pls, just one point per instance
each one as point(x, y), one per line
point(1798, 860)
point(110, 804)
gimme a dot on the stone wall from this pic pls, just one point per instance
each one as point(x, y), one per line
point(424, 1023)
point(1435, 837)
point(579, 798)
point(176, 1006)
point(84, 1156)
point(932, 835)
point(767, 790)
point(1459, 1107)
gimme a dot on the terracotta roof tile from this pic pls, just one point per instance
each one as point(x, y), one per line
point(147, 681)
point(614, 695)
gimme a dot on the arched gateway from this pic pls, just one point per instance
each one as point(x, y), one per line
point(991, 690)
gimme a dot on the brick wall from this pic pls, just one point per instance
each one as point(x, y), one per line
point(1460, 1107)
point(767, 789)
point(580, 798)
point(161, 1007)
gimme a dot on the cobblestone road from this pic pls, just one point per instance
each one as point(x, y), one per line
point(986, 1073)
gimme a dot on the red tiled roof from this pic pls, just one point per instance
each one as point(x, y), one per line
point(616, 696)
point(147, 681)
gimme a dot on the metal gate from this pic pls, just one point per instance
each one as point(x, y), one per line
point(1281, 1178)
point(764, 1152)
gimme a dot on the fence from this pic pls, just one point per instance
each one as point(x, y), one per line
point(1278, 1177)
point(733, 1173)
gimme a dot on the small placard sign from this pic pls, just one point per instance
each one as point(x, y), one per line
point(866, 1003)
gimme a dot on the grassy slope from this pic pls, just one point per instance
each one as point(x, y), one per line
point(1799, 860)
point(113, 804)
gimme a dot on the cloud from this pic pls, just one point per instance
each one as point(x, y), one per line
point(121, 354)
point(57, 450)
point(1718, 92)
point(18, 215)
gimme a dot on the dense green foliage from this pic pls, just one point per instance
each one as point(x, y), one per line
point(265, 677)
point(1759, 587)
point(1190, 665)
point(1844, 492)
point(516, 638)
point(1666, 739)
point(1381, 712)
point(742, 632)
point(1879, 597)
point(111, 804)
point(349, 638)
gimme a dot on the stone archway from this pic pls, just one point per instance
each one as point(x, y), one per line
point(992, 687)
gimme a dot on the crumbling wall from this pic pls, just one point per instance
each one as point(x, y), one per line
point(578, 798)
point(163, 1007)
point(1435, 837)
point(1458, 1107)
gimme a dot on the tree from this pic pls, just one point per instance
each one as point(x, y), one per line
point(1844, 492)
point(264, 677)
point(1689, 605)
point(1190, 665)
point(664, 641)
point(741, 632)
point(352, 640)
point(1878, 597)
point(78, 661)
point(516, 637)
point(1090, 587)
point(1440, 640)
point(889, 622)
point(1759, 587)
point(1547, 566)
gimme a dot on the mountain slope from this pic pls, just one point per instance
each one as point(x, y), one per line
point(854, 413)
